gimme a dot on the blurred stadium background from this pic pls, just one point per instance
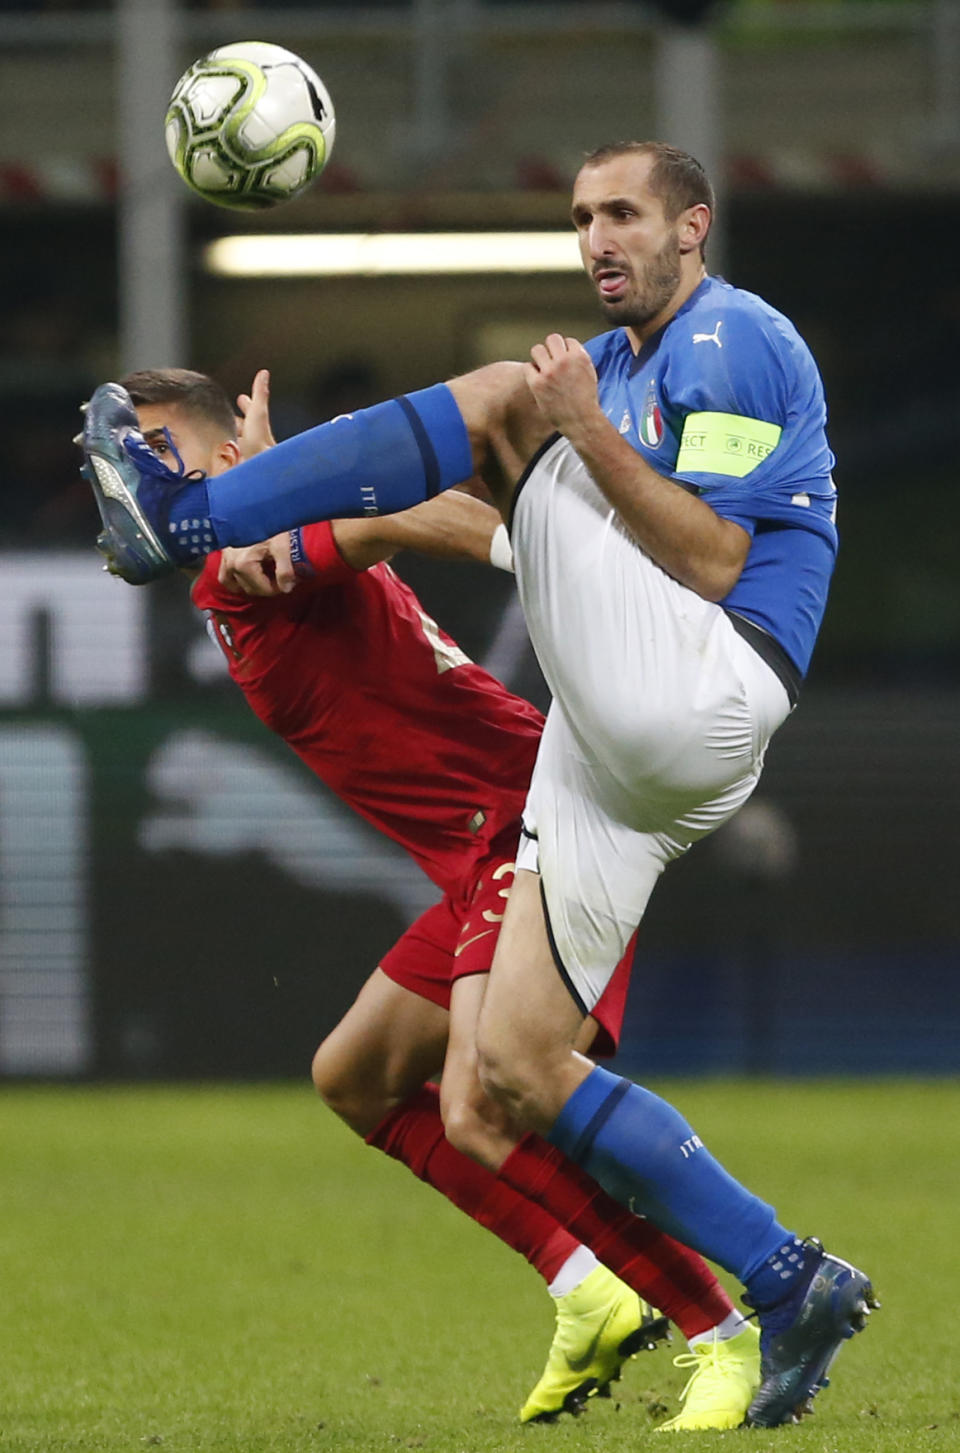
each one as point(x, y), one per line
point(177, 898)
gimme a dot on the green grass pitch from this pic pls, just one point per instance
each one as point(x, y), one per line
point(227, 1268)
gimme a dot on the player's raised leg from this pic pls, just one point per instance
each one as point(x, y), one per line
point(377, 461)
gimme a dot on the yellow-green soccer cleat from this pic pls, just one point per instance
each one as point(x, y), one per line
point(600, 1324)
point(725, 1378)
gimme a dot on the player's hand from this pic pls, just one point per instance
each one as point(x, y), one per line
point(563, 381)
point(264, 569)
point(254, 432)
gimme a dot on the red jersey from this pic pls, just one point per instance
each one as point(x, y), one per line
point(381, 705)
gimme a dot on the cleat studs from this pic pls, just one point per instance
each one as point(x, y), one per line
point(646, 1338)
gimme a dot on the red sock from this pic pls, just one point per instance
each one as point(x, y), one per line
point(669, 1276)
point(413, 1134)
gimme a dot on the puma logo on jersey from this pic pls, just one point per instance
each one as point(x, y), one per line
point(713, 337)
point(625, 422)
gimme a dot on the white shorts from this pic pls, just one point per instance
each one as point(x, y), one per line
point(661, 717)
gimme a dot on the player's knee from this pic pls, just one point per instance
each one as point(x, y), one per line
point(328, 1083)
point(501, 1075)
point(359, 1104)
point(463, 1127)
point(526, 1087)
point(478, 1127)
point(483, 395)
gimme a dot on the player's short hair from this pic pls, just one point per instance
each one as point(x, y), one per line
point(676, 177)
point(197, 394)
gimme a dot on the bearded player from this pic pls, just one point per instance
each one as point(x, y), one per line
point(335, 654)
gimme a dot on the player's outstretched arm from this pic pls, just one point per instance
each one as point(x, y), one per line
point(453, 526)
point(682, 533)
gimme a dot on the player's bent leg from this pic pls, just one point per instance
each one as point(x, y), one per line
point(371, 1071)
point(626, 1138)
point(639, 1148)
point(389, 1042)
point(477, 1125)
point(601, 1320)
point(376, 461)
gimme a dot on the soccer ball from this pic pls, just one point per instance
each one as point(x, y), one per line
point(249, 125)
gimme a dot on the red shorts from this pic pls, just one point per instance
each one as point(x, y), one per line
point(456, 938)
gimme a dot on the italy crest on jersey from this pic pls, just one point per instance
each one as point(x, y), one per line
point(651, 420)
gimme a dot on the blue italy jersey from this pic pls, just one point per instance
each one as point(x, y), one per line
point(727, 400)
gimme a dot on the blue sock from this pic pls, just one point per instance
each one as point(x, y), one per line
point(373, 462)
point(773, 1279)
point(188, 535)
point(644, 1154)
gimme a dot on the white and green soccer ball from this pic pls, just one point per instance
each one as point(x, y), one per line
point(250, 125)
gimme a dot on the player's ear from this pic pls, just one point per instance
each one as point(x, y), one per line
point(693, 226)
point(225, 456)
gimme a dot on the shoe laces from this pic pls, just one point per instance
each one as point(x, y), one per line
point(148, 462)
point(707, 1358)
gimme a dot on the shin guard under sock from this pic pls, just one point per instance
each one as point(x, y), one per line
point(643, 1152)
point(374, 462)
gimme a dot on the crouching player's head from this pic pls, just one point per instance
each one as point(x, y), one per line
point(185, 415)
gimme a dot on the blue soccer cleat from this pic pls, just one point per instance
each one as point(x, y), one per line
point(133, 489)
point(800, 1336)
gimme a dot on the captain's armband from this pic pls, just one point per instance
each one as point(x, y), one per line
point(725, 444)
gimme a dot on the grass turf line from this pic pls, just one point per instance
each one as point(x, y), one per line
point(219, 1268)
